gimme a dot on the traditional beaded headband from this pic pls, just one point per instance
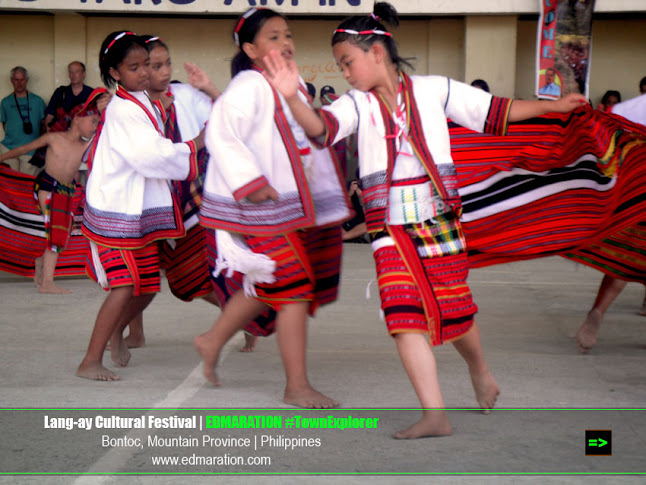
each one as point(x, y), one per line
point(116, 38)
point(153, 39)
point(363, 32)
point(241, 22)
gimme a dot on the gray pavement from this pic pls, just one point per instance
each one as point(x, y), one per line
point(529, 314)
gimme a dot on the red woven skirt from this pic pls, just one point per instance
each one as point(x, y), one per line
point(186, 265)
point(127, 267)
point(422, 282)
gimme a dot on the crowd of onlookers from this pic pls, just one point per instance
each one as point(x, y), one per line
point(25, 116)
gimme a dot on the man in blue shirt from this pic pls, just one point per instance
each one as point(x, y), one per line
point(21, 114)
point(550, 88)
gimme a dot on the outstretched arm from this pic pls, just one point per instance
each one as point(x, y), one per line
point(525, 109)
point(283, 75)
point(199, 80)
point(23, 150)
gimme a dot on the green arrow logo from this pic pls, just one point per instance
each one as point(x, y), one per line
point(598, 443)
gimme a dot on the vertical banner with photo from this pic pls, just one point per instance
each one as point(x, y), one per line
point(563, 47)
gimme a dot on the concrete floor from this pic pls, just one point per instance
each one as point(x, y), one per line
point(529, 314)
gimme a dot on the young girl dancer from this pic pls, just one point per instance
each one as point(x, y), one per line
point(188, 107)
point(129, 206)
point(410, 194)
point(259, 187)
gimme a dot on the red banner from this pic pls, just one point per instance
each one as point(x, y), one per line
point(563, 47)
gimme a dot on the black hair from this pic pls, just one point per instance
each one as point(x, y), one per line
point(480, 83)
point(326, 90)
point(114, 49)
point(382, 11)
point(152, 41)
point(311, 89)
point(642, 83)
point(609, 93)
point(246, 30)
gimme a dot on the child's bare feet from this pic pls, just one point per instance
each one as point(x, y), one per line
point(38, 271)
point(249, 342)
point(210, 352)
point(120, 356)
point(95, 371)
point(433, 423)
point(486, 389)
point(135, 341)
point(308, 397)
point(52, 289)
point(586, 337)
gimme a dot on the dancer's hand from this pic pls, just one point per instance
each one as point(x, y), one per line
point(262, 194)
point(200, 80)
point(569, 102)
point(282, 74)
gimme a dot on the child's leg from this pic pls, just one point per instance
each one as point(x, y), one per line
point(249, 342)
point(610, 288)
point(291, 328)
point(43, 195)
point(118, 348)
point(46, 263)
point(484, 384)
point(419, 362)
point(106, 321)
point(136, 337)
point(237, 313)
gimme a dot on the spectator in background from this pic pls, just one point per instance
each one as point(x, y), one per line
point(311, 89)
point(355, 230)
point(328, 95)
point(608, 100)
point(480, 83)
point(66, 98)
point(21, 114)
point(642, 86)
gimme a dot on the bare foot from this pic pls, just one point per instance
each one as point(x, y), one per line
point(586, 337)
point(135, 342)
point(210, 353)
point(120, 356)
point(96, 372)
point(433, 423)
point(308, 397)
point(486, 389)
point(52, 289)
point(38, 271)
point(249, 342)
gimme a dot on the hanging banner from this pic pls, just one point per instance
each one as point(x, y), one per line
point(563, 47)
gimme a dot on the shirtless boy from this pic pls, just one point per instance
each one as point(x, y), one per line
point(55, 186)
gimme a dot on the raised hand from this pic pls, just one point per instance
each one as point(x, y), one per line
point(282, 73)
point(200, 80)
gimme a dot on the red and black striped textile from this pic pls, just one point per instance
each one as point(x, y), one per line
point(308, 269)
point(265, 323)
point(138, 268)
point(567, 184)
point(22, 229)
point(186, 265)
point(424, 294)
